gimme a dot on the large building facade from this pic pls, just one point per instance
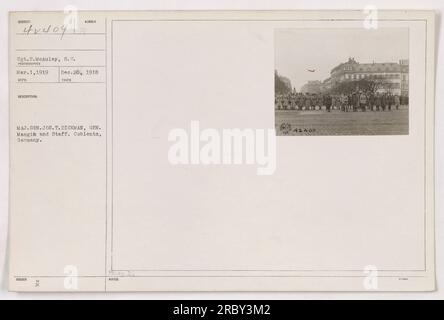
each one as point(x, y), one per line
point(390, 77)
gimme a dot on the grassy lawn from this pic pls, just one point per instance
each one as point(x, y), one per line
point(322, 123)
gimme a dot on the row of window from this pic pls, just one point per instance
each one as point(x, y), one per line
point(374, 76)
point(381, 69)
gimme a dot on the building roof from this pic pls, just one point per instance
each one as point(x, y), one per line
point(354, 66)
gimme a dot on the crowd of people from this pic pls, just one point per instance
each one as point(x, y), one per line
point(358, 100)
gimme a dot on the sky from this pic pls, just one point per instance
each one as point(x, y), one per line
point(297, 50)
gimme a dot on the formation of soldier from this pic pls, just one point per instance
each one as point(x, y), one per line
point(358, 100)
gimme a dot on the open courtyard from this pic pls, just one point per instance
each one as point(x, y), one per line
point(320, 123)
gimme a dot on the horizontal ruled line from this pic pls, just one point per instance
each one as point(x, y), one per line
point(58, 82)
point(34, 66)
point(60, 34)
point(59, 49)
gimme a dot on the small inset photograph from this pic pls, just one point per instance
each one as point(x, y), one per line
point(341, 81)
